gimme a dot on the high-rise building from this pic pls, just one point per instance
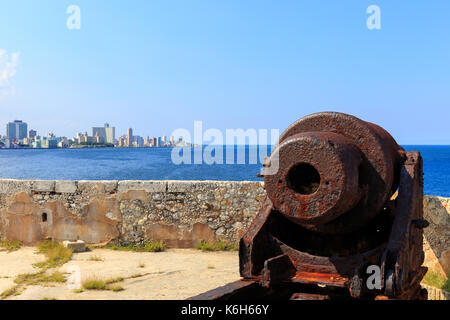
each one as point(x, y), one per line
point(130, 137)
point(122, 141)
point(32, 134)
point(147, 142)
point(98, 139)
point(138, 141)
point(106, 133)
point(16, 130)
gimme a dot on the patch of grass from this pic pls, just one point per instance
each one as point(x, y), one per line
point(39, 278)
point(56, 254)
point(211, 267)
point(154, 246)
point(56, 276)
point(117, 288)
point(217, 246)
point(94, 284)
point(11, 245)
point(78, 291)
point(95, 258)
point(99, 284)
point(45, 298)
point(136, 275)
point(29, 278)
point(114, 280)
point(10, 292)
point(148, 246)
point(141, 265)
point(436, 280)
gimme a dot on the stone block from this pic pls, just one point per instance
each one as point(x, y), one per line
point(76, 246)
point(147, 186)
point(110, 185)
point(43, 185)
point(65, 186)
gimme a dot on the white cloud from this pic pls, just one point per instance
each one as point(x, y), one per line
point(8, 69)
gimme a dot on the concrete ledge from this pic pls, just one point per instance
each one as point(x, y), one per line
point(99, 186)
point(65, 187)
point(208, 185)
point(147, 186)
point(43, 185)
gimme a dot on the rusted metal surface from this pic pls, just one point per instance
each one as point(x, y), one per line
point(239, 289)
point(318, 177)
point(309, 296)
point(330, 213)
point(345, 178)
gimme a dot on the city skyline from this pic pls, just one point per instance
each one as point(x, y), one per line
point(18, 136)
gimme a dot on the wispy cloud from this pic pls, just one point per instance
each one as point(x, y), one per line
point(8, 69)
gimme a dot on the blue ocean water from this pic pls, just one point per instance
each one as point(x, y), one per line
point(436, 169)
point(157, 164)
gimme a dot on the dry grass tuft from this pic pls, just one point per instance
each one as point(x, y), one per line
point(100, 284)
point(436, 280)
point(217, 246)
point(95, 258)
point(148, 246)
point(11, 245)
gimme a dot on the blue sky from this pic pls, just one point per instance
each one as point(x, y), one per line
point(159, 65)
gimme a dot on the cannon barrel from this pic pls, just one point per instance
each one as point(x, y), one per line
point(335, 172)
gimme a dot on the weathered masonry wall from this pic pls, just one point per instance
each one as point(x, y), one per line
point(437, 234)
point(182, 213)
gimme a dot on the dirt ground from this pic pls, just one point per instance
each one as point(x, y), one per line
point(173, 274)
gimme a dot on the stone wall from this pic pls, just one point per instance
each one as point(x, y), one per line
point(437, 234)
point(182, 213)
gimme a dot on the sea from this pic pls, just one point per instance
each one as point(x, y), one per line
point(238, 163)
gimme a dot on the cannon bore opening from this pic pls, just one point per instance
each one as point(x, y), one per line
point(303, 178)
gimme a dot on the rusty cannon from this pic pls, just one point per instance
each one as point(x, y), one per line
point(344, 201)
